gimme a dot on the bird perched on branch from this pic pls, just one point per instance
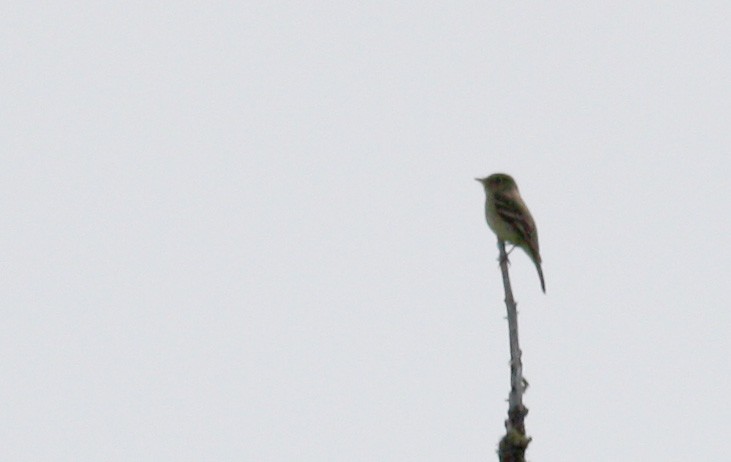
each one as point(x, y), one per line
point(509, 218)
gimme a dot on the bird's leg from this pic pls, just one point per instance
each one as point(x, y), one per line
point(502, 260)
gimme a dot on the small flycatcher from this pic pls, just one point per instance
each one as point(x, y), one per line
point(509, 218)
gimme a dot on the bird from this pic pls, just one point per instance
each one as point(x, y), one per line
point(509, 218)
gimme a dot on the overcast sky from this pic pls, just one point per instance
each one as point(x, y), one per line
point(249, 231)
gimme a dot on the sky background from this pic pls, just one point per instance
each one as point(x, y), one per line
point(250, 230)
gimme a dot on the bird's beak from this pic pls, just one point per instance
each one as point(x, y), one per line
point(478, 179)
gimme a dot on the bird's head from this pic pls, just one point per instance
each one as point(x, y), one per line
point(498, 182)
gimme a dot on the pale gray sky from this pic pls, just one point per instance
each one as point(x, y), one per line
point(250, 231)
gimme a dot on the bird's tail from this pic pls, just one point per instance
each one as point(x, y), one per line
point(536, 257)
point(540, 275)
